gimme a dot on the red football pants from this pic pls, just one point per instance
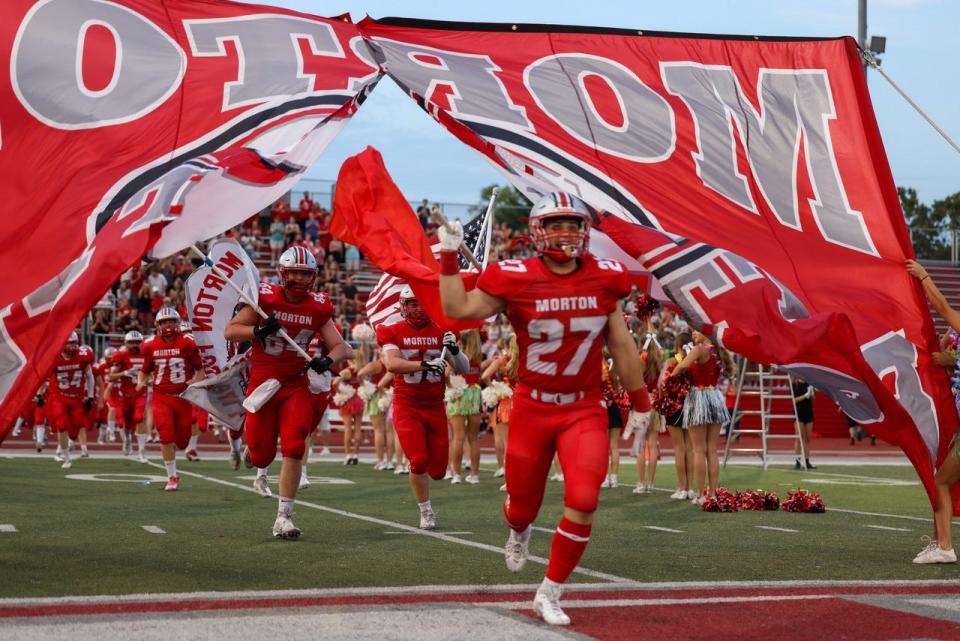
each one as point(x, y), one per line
point(67, 416)
point(173, 418)
point(577, 432)
point(132, 410)
point(288, 414)
point(423, 437)
point(201, 418)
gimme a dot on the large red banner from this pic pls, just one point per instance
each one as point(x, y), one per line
point(763, 150)
point(136, 124)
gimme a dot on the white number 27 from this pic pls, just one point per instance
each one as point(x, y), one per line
point(548, 334)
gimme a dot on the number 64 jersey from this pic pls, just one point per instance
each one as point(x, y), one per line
point(559, 319)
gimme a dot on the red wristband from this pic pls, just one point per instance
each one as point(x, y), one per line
point(449, 263)
point(639, 400)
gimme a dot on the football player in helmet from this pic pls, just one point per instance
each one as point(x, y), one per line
point(563, 304)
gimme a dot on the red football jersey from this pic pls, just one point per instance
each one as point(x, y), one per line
point(68, 378)
point(560, 320)
point(130, 364)
point(274, 357)
point(172, 362)
point(421, 389)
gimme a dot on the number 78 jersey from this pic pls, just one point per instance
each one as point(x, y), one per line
point(560, 320)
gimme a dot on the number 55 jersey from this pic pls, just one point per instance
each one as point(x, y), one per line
point(559, 319)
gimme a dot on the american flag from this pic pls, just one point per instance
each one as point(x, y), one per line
point(383, 304)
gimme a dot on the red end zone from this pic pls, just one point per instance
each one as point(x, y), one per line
point(798, 612)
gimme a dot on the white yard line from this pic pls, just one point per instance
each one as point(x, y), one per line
point(409, 528)
point(662, 529)
point(891, 529)
point(153, 529)
point(775, 529)
point(7, 527)
point(655, 587)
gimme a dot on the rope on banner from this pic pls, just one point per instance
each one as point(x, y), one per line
point(871, 60)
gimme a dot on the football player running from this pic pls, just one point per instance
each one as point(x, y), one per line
point(278, 388)
point(71, 389)
point(174, 360)
point(563, 304)
point(133, 403)
point(412, 350)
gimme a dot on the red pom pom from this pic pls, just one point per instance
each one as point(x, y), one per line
point(802, 501)
point(646, 306)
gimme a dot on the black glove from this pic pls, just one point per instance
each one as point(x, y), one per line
point(320, 364)
point(39, 400)
point(269, 325)
point(435, 366)
point(450, 342)
point(87, 404)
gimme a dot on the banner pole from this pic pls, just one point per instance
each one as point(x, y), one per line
point(246, 299)
point(441, 220)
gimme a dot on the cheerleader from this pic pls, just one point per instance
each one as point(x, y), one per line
point(668, 403)
point(373, 373)
point(616, 401)
point(646, 443)
point(351, 406)
point(463, 410)
point(504, 367)
point(704, 410)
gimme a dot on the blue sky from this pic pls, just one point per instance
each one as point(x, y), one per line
point(426, 161)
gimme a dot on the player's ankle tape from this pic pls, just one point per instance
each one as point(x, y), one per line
point(449, 263)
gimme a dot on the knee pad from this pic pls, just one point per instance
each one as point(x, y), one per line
point(582, 499)
point(418, 464)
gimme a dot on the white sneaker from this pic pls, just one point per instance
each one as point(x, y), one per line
point(930, 555)
point(606, 481)
point(614, 481)
point(67, 464)
point(398, 470)
point(503, 488)
point(379, 465)
point(347, 459)
point(515, 550)
point(648, 489)
point(406, 468)
point(428, 520)
point(930, 544)
point(639, 489)
point(472, 479)
point(547, 603)
point(262, 487)
point(58, 457)
point(304, 483)
point(325, 451)
point(691, 494)
point(283, 528)
point(84, 453)
point(456, 480)
point(679, 495)
point(142, 458)
point(448, 475)
point(500, 472)
point(390, 465)
point(558, 477)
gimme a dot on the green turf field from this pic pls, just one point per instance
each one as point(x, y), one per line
point(77, 537)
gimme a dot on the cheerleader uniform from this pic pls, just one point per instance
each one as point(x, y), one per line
point(704, 404)
point(503, 408)
point(469, 403)
point(615, 400)
point(371, 406)
point(354, 405)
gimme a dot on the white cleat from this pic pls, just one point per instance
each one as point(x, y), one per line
point(58, 457)
point(428, 520)
point(472, 479)
point(67, 464)
point(141, 458)
point(515, 551)
point(546, 603)
point(936, 554)
point(283, 528)
point(558, 477)
point(304, 483)
point(262, 487)
point(173, 484)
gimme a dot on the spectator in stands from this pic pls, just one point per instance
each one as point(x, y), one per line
point(142, 304)
point(157, 279)
point(335, 249)
point(940, 549)
point(351, 258)
point(157, 300)
point(350, 291)
point(263, 219)
point(306, 203)
point(323, 231)
point(126, 316)
point(101, 322)
point(423, 213)
point(276, 240)
point(292, 231)
point(123, 290)
point(331, 271)
point(311, 227)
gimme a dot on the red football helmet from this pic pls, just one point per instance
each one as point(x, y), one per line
point(167, 322)
point(410, 309)
point(297, 260)
point(563, 246)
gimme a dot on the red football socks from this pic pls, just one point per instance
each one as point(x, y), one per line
point(569, 542)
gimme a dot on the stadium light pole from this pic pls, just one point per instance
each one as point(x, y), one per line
point(875, 44)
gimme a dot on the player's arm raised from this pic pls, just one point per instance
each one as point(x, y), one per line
point(458, 303)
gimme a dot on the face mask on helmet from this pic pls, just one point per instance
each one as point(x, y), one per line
point(410, 309)
point(72, 346)
point(132, 341)
point(298, 270)
point(561, 242)
point(168, 322)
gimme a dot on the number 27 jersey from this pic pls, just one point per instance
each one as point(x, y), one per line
point(560, 319)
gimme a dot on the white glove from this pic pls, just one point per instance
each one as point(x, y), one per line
point(450, 239)
point(450, 342)
point(637, 421)
point(434, 366)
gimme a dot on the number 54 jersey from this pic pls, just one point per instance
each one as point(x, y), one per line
point(274, 357)
point(560, 319)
